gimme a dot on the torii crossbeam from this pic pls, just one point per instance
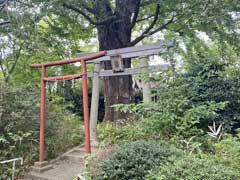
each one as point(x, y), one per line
point(83, 75)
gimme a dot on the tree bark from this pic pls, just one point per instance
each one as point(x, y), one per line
point(118, 89)
point(117, 34)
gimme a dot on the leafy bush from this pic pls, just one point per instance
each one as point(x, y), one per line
point(173, 115)
point(109, 133)
point(63, 131)
point(203, 91)
point(195, 168)
point(229, 151)
point(134, 160)
point(99, 155)
point(19, 127)
point(218, 82)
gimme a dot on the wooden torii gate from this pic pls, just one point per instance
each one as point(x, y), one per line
point(115, 56)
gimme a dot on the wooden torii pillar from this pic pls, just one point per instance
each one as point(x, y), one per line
point(44, 79)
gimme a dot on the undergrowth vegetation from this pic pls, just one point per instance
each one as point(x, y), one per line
point(196, 168)
point(109, 133)
point(19, 132)
point(134, 160)
point(196, 108)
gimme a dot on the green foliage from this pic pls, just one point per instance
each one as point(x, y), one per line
point(72, 93)
point(213, 77)
point(19, 127)
point(197, 168)
point(14, 145)
point(205, 89)
point(178, 117)
point(63, 131)
point(174, 116)
point(229, 151)
point(134, 160)
point(109, 133)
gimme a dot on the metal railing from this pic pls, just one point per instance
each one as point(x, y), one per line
point(13, 161)
point(80, 177)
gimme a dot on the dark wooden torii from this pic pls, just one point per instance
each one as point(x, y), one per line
point(44, 79)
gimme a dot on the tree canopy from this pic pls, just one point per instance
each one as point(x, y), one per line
point(61, 28)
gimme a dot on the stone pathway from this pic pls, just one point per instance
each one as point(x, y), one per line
point(65, 167)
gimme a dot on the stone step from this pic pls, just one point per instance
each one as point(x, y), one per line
point(62, 170)
point(74, 158)
point(77, 152)
point(34, 176)
point(41, 169)
point(65, 167)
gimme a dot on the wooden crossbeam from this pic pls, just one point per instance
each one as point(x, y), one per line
point(131, 71)
point(71, 60)
point(63, 78)
point(136, 51)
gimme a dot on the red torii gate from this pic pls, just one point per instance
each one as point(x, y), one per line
point(83, 75)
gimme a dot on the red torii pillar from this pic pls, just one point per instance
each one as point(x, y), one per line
point(44, 79)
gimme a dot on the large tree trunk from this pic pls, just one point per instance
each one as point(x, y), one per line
point(114, 21)
point(117, 89)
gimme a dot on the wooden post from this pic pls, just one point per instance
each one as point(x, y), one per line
point(85, 106)
point(42, 115)
point(145, 85)
point(94, 103)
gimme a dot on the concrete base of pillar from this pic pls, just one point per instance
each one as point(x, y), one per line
point(40, 167)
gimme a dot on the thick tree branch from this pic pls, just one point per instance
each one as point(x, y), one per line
point(145, 18)
point(146, 31)
point(2, 69)
point(143, 35)
point(85, 6)
point(154, 20)
point(103, 22)
point(163, 26)
point(3, 4)
point(136, 12)
point(17, 57)
point(80, 12)
point(4, 23)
